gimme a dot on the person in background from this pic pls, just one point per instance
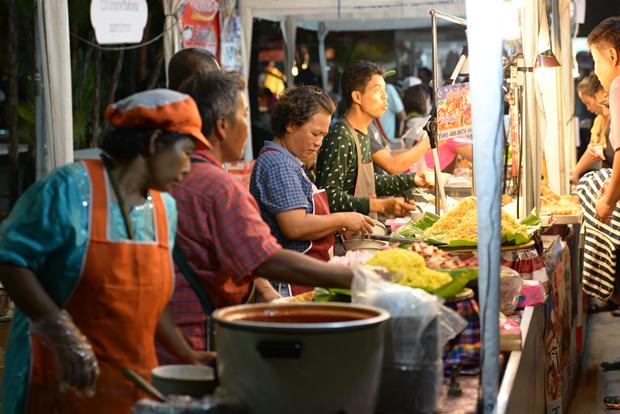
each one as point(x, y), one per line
point(295, 210)
point(594, 97)
point(221, 235)
point(344, 164)
point(426, 76)
point(86, 257)
point(185, 304)
point(393, 116)
point(604, 41)
point(273, 79)
point(418, 106)
point(393, 161)
point(188, 61)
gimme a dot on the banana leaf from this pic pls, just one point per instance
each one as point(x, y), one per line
point(332, 295)
point(460, 279)
point(415, 229)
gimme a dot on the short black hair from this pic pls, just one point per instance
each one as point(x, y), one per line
point(416, 99)
point(297, 105)
point(215, 94)
point(187, 62)
point(589, 85)
point(125, 144)
point(355, 78)
point(607, 31)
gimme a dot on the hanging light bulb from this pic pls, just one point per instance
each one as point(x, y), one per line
point(546, 59)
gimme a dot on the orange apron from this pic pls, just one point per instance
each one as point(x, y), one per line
point(124, 287)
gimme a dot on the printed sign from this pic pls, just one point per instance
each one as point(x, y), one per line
point(118, 21)
point(454, 111)
point(199, 25)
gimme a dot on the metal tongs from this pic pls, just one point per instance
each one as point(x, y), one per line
point(392, 238)
point(440, 193)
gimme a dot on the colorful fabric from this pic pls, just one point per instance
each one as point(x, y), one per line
point(337, 172)
point(279, 184)
point(447, 153)
point(47, 232)
point(463, 352)
point(614, 113)
point(159, 109)
point(223, 238)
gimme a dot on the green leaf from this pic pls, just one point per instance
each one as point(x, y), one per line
point(332, 295)
point(460, 279)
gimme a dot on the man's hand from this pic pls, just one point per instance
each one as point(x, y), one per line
point(419, 179)
point(201, 358)
point(397, 206)
point(265, 290)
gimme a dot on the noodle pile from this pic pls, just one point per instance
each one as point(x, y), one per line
point(461, 223)
point(410, 269)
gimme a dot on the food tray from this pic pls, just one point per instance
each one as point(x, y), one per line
point(505, 248)
point(574, 219)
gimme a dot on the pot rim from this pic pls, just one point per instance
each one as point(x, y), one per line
point(221, 314)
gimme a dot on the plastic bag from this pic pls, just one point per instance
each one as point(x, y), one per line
point(411, 311)
point(419, 327)
point(509, 290)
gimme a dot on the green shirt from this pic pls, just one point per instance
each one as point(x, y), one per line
point(337, 172)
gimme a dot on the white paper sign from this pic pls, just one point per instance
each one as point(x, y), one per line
point(118, 21)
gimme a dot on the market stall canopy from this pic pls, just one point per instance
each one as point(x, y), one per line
point(324, 16)
point(353, 15)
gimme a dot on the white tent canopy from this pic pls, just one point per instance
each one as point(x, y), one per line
point(324, 16)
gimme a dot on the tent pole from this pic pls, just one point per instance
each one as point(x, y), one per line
point(486, 78)
point(322, 34)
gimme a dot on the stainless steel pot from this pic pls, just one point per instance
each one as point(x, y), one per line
point(301, 358)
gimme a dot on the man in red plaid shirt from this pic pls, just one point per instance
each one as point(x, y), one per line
point(220, 231)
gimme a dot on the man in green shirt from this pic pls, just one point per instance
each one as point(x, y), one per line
point(344, 164)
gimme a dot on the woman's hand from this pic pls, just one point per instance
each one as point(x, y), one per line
point(604, 210)
point(574, 177)
point(357, 223)
point(76, 363)
point(596, 151)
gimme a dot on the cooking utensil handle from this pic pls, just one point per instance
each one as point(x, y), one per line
point(280, 349)
point(144, 384)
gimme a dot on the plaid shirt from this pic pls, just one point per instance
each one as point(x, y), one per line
point(279, 184)
point(223, 238)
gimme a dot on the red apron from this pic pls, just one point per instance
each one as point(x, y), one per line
point(124, 287)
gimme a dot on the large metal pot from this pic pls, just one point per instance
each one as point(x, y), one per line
point(302, 358)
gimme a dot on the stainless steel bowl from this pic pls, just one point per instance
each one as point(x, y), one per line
point(193, 380)
point(363, 244)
